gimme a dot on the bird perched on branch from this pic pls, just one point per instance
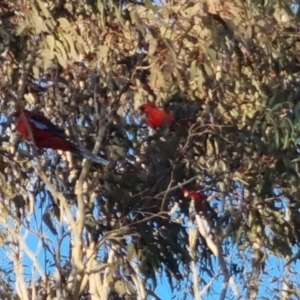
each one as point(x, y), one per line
point(155, 117)
point(196, 195)
point(35, 127)
point(200, 201)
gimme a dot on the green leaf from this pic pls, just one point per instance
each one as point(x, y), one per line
point(36, 71)
point(131, 253)
point(101, 10)
point(47, 57)
point(44, 10)
point(64, 23)
point(285, 139)
point(21, 27)
point(234, 113)
point(277, 137)
point(39, 24)
point(295, 160)
point(72, 52)
point(208, 69)
point(135, 19)
point(193, 69)
point(50, 24)
point(153, 44)
point(61, 60)
point(50, 40)
point(103, 53)
point(7, 190)
point(276, 107)
point(171, 48)
point(212, 54)
point(291, 125)
point(59, 46)
point(119, 287)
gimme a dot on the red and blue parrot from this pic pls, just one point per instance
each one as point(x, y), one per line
point(35, 127)
point(194, 194)
point(157, 118)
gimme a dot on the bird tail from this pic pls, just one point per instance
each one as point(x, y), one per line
point(79, 151)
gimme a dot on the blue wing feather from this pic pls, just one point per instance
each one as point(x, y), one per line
point(43, 123)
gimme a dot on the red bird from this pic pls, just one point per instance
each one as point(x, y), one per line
point(44, 134)
point(157, 118)
point(195, 195)
point(199, 199)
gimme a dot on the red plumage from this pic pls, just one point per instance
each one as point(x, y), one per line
point(199, 198)
point(44, 134)
point(195, 195)
point(157, 118)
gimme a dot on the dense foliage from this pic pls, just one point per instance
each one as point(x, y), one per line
point(228, 71)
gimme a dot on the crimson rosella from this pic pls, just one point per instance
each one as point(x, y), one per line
point(199, 198)
point(157, 118)
point(44, 134)
point(195, 195)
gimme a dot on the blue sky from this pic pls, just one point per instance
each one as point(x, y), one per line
point(270, 281)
